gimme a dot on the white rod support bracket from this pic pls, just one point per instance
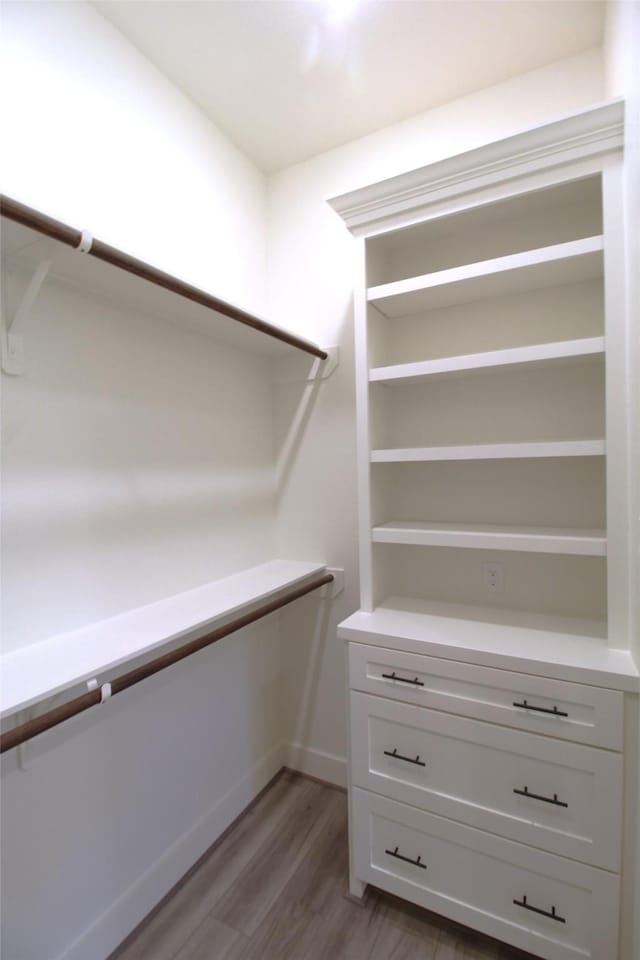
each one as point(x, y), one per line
point(86, 241)
point(329, 365)
point(12, 330)
point(333, 589)
point(105, 689)
point(297, 369)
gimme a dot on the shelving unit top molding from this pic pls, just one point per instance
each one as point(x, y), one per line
point(31, 674)
point(577, 139)
point(30, 237)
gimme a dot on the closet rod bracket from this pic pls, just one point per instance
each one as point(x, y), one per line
point(12, 329)
point(337, 584)
point(329, 365)
point(105, 689)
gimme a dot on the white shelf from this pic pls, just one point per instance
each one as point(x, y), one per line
point(490, 537)
point(31, 674)
point(540, 354)
point(531, 643)
point(530, 270)
point(492, 451)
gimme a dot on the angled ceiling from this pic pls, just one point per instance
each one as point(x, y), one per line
point(287, 79)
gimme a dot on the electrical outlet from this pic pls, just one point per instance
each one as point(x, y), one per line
point(493, 577)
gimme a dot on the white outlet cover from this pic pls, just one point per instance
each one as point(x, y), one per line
point(493, 575)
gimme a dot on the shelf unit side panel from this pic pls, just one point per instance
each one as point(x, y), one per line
point(617, 410)
point(362, 362)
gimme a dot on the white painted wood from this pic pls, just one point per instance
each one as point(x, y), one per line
point(470, 770)
point(31, 674)
point(619, 333)
point(594, 714)
point(526, 220)
point(555, 647)
point(493, 451)
point(362, 363)
point(473, 877)
point(532, 404)
point(492, 537)
point(550, 147)
point(550, 266)
point(474, 664)
point(539, 354)
point(560, 492)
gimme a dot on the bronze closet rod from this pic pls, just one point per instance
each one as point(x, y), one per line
point(16, 736)
point(102, 251)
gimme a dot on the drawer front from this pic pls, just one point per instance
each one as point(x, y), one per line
point(555, 708)
point(561, 797)
point(488, 883)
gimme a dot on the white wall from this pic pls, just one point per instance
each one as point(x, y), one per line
point(311, 271)
point(138, 460)
point(95, 135)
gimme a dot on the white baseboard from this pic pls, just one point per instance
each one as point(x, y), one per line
point(315, 763)
point(109, 930)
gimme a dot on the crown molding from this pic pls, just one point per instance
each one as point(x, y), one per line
point(589, 134)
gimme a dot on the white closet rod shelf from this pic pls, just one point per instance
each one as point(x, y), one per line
point(576, 542)
point(539, 354)
point(41, 670)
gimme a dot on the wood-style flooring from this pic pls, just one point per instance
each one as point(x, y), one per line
point(273, 888)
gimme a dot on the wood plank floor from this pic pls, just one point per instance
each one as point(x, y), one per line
point(273, 888)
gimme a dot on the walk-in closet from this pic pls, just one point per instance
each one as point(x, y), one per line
point(320, 480)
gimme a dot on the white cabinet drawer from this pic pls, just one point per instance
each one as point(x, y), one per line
point(475, 878)
point(558, 796)
point(555, 708)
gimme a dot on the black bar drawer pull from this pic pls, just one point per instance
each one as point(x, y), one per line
point(554, 713)
point(398, 856)
point(543, 913)
point(392, 676)
point(536, 796)
point(394, 753)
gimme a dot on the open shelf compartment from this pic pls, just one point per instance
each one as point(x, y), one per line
point(559, 264)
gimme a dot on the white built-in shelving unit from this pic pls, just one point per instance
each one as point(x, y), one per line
point(492, 392)
point(488, 424)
